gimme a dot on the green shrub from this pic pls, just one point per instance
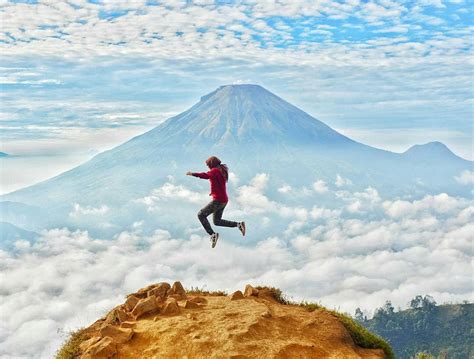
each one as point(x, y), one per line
point(426, 355)
point(70, 349)
point(362, 337)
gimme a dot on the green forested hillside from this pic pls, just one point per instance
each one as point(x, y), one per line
point(442, 330)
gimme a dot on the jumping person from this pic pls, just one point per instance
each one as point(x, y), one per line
point(218, 175)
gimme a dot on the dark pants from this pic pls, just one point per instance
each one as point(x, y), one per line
point(217, 208)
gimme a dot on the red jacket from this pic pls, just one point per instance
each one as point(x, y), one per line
point(218, 190)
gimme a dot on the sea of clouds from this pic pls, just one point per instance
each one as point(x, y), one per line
point(360, 252)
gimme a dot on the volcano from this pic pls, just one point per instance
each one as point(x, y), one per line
point(253, 131)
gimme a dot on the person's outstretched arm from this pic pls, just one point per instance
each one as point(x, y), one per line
point(203, 175)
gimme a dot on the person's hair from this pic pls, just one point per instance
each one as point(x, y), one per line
point(213, 162)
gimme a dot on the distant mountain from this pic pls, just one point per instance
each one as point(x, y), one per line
point(3, 154)
point(426, 327)
point(253, 131)
point(11, 234)
point(429, 152)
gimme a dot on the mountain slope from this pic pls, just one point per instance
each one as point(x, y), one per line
point(254, 131)
point(163, 321)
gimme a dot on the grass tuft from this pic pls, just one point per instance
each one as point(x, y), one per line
point(277, 294)
point(70, 349)
point(202, 291)
point(362, 337)
point(310, 307)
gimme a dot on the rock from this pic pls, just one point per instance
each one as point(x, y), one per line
point(128, 324)
point(111, 317)
point(119, 335)
point(250, 291)
point(191, 305)
point(266, 314)
point(266, 293)
point(117, 316)
point(236, 295)
point(159, 291)
point(122, 315)
point(131, 302)
point(87, 343)
point(143, 292)
point(198, 300)
point(177, 291)
point(171, 307)
point(105, 348)
point(144, 306)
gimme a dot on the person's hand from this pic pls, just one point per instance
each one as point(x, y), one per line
point(189, 173)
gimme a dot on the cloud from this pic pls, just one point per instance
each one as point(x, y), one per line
point(171, 191)
point(285, 189)
point(320, 186)
point(439, 204)
point(88, 210)
point(340, 181)
point(68, 279)
point(465, 177)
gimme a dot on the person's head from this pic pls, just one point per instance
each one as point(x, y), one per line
point(213, 162)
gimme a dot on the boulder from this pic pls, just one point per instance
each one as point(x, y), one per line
point(171, 307)
point(142, 293)
point(117, 316)
point(191, 305)
point(111, 317)
point(236, 295)
point(122, 315)
point(198, 300)
point(118, 335)
point(144, 306)
point(250, 291)
point(103, 349)
point(159, 291)
point(177, 291)
point(87, 343)
point(131, 302)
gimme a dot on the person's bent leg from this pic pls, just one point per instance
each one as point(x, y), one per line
point(217, 218)
point(202, 215)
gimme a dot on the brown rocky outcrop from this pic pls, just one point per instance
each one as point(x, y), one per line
point(256, 326)
point(250, 291)
point(236, 295)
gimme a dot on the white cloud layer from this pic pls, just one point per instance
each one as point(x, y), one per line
point(465, 177)
point(340, 257)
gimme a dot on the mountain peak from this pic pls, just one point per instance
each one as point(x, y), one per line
point(430, 148)
point(235, 89)
point(248, 113)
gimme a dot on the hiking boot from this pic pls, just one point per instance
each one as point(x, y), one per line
point(241, 227)
point(214, 238)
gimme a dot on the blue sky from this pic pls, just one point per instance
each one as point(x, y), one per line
point(78, 77)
